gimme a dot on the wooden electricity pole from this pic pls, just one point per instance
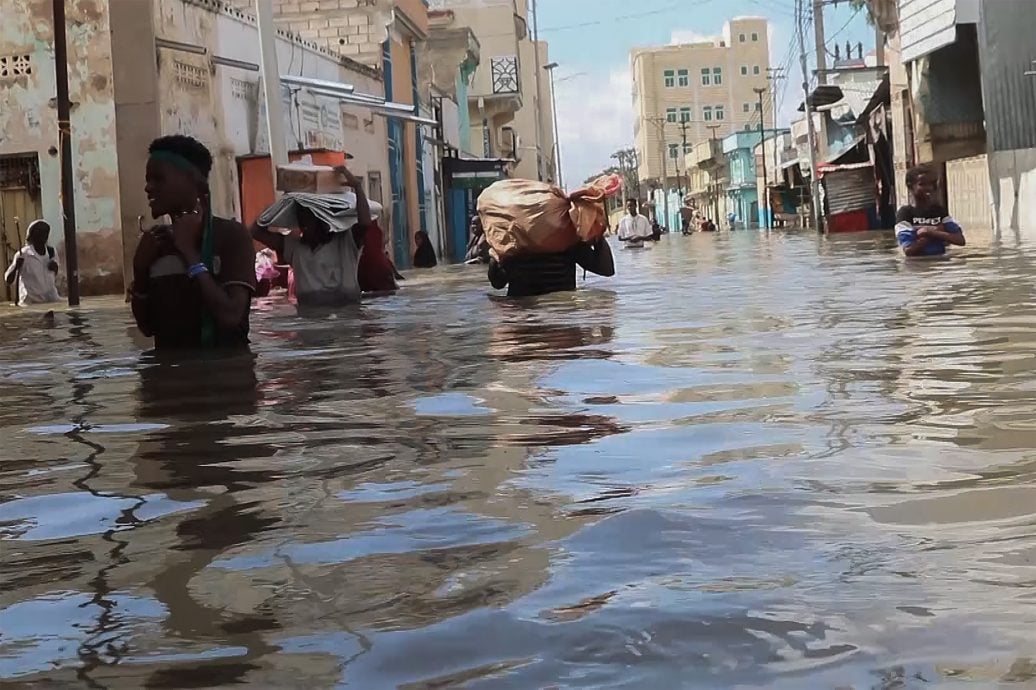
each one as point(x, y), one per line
point(800, 19)
point(68, 201)
point(762, 145)
point(684, 124)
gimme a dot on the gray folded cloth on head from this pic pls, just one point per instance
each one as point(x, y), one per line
point(337, 210)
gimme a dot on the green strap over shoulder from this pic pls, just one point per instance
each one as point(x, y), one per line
point(208, 255)
point(208, 242)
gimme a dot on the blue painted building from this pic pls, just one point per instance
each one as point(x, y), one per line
point(742, 194)
point(658, 198)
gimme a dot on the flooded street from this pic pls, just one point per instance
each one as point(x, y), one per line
point(748, 460)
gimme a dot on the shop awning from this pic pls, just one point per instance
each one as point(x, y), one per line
point(881, 95)
point(823, 96)
point(831, 167)
point(850, 154)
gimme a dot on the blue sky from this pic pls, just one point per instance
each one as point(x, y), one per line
point(591, 40)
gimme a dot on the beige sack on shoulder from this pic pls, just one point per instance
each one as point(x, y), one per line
point(526, 217)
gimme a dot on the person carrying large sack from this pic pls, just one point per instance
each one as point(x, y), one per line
point(538, 235)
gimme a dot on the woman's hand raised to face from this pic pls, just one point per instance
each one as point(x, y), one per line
point(186, 231)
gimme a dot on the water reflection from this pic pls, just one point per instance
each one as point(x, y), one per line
point(762, 461)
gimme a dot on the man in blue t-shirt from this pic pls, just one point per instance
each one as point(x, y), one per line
point(925, 227)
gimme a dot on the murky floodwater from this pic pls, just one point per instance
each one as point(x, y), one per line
point(755, 461)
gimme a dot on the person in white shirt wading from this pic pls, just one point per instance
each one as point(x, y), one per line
point(34, 268)
point(634, 228)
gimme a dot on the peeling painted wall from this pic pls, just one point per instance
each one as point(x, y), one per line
point(219, 105)
point(28, 124)
point(216, 104)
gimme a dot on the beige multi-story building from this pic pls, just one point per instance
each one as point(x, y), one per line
point(697, 91)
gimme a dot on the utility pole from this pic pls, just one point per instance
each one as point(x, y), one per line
point(800, 19)
point(660, 122)
point(818, 37)
point(764, 204)
point(539, 90)
point(68, 200)
point(879, 43)
point(715, 180)
point(665, 172)
point(775, 75)
point(684, 124)
point(820, 46)
point(271, 86)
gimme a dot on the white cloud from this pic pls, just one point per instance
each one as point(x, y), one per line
point(682, 36)
point(595, 119)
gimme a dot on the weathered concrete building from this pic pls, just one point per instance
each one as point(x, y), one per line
point(141, 69)
point(454, 54)
point(29, 162)
point(536, 153)
point(388, 36)
point(509, 107)
point(708, 172)
point(963, 98)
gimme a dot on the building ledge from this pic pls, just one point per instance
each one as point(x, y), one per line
point(497, 102)
point(460, 41)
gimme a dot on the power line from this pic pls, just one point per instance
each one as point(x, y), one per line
point(844, 27)
point(629, 17)
point(597, 22)
point(773, 5)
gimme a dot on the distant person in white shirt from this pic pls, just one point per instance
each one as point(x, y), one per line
point(34, 268)
point(634, 228)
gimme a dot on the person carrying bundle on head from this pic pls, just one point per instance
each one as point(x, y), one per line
point(331, 269)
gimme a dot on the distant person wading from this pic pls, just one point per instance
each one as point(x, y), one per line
point(424, 256)
point(34, 268)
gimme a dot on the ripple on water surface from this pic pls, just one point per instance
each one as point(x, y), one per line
point(769, 461)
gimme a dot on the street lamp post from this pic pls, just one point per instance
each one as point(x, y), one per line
point(539, 90)
point(554, 108)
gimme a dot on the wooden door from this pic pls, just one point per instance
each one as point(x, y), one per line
point(18, 208)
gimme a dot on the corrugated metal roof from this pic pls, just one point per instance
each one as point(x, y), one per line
point(1007, 50)
point(925, 26)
